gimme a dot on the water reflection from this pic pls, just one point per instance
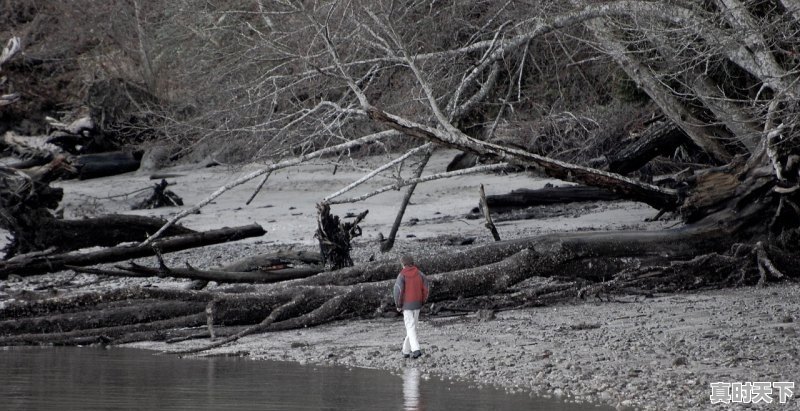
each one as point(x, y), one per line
point(412, 400)
point(70, 379)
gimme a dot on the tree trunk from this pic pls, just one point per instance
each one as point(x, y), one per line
point(42, 232)
point(106, 164)
point(660, 139)
point(657, 197)
point(522, 198)
point(58, 262)
point(388, 242)
point(220, 276)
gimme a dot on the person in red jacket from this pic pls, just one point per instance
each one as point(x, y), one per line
point(410, 293)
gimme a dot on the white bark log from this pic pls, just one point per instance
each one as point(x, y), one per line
point(754, 54)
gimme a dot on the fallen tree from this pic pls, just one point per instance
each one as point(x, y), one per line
point(522, 198)
point(26, 212)
point(56, 262)
point(264, 268)
point(594, 256)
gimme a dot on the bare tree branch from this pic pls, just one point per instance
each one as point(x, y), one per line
point(432, 177)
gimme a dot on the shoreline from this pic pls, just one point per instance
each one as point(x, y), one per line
point(642, 353)
point(627, 354)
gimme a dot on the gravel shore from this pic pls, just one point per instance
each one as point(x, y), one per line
point(658, 353)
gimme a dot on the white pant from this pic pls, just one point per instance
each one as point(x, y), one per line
point(410, 344)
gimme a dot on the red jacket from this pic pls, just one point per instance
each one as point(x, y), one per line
point(411, 289)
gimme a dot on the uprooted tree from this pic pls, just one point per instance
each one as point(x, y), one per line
point(721, 71)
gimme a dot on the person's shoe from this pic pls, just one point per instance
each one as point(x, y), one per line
point(416, 354)
point(406, 355)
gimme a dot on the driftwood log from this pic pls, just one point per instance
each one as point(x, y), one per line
point(57, 262)
point(522, 198)
point(660, 139)
point(106, 164)
point(264, 268)
point(359, 291)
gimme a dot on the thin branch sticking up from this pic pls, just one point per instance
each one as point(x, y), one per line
point(260, 185)
point(489, 223)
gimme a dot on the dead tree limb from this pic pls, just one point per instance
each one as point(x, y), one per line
point(53, 263)
point(258, 189)
point(13, 46)
point(220, 276)
point(375, 172)
point(659, 139)
point(266, 262)
point(431, 177)
point(487, 215)
point(11, 49)
point(388, 242)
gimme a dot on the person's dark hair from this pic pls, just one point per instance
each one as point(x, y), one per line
point(406, 260)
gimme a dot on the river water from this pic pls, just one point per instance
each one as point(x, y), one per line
point(130, 379)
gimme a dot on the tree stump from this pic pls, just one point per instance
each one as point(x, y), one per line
point(334, 237)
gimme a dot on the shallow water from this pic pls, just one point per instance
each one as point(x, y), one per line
point(130, 379)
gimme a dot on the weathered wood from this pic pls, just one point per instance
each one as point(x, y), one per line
point(106, 164)
point(487, 215)
point(334, 236)
point(595, 256)
point(522, 198)
point(660, 139)
point(122, 312)
point(161, 197)
point(220, 276)
point(388, 242)
point(21, 147)
point(45, 231)
point(657, 197)
point(53, 263)
point(279, 258)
